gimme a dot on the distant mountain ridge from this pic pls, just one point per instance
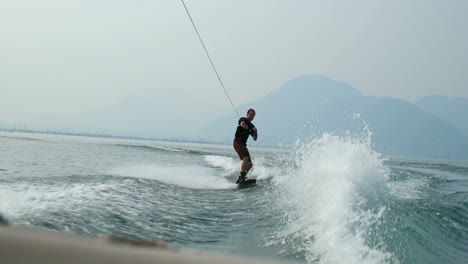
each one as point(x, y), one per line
point(307, 106)
point(452, 110)
point(303, 108)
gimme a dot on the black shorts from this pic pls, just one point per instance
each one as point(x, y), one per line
point(241, 149)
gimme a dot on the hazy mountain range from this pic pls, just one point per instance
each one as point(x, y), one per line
point(304, 108)
point(307, 106)
point(452, 110)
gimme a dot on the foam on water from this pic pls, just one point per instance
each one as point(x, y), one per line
point(409, 188)
point(327, 199)
point(36, 199)
point(190, 176)
point(228, 164)
point(260, 169)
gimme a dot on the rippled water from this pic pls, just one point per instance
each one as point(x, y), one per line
point(333, 200)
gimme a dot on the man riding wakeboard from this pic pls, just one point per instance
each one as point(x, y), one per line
point(245, 128)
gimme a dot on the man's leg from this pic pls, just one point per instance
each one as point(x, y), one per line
point(246, 164)
point(245, 167)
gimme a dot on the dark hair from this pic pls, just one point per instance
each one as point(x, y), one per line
point(251, 109)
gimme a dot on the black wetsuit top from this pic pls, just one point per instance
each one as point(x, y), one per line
point(242, 134)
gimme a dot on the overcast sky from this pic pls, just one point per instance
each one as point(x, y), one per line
point(79, 56)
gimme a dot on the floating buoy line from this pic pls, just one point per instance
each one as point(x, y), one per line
point(209, 58)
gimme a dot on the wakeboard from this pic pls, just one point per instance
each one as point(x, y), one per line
point(247, 183)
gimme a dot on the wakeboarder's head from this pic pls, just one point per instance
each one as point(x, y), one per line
point(250, 114)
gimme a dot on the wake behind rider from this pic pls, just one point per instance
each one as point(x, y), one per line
point(245, 128)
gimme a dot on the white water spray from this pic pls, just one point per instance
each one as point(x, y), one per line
point(324, 195)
